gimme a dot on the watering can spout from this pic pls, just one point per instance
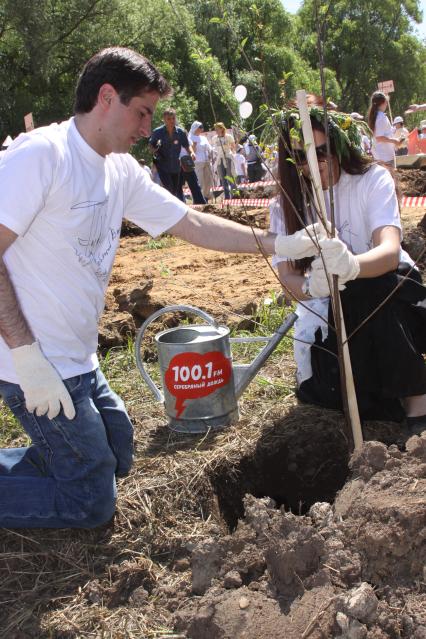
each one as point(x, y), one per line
point(245, 373)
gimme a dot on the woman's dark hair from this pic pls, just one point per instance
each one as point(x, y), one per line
point(353, 163)
point(376, 100)
point(129, 72)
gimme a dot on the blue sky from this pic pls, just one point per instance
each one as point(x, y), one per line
point(293, 5)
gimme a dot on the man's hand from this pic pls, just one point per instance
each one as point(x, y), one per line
point(43, 389)
point(303, 243)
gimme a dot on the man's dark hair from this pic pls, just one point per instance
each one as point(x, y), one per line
point(129, 72)
point(169, 111)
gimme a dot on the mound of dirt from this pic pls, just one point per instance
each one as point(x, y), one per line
point(353, 570)
point(412, 182)
point(257, 217)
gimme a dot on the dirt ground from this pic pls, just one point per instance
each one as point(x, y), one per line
point(265, 530)
point(150, 275)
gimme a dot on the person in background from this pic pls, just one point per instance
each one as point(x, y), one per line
point(224, 146)
point(166, 143)
point(203, 158)
point(254, 159)
point(365, 140)
point(401, 133)
point(387, 350)
point(240, 164)
point(189, 176)
point(384, 140)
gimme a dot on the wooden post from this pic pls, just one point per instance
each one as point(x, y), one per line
point(349, 387)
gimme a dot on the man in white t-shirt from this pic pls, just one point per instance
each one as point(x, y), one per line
point(65, 189)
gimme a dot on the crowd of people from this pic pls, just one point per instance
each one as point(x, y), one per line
point(211, 163)
point(65, 190)
point(207, 164)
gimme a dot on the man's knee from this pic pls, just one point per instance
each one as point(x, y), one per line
point(99, 509)
point(100, 514)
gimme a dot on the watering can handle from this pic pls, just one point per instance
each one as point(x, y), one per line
point(141, 332)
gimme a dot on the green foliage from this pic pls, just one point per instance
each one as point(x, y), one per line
point(205, 48)
point(365, 43)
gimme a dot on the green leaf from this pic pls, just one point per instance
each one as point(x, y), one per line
point(215, 20)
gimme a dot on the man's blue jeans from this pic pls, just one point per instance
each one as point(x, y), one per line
point(66, 478)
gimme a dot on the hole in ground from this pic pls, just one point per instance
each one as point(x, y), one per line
point(296, 466)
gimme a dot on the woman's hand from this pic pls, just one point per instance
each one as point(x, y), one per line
point(338, 260)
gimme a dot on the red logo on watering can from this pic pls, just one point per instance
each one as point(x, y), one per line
point(192, 376)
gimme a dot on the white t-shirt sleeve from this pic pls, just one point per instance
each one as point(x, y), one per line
point(148, 205)
point(277, 225)
point(26, 175)
point(383, 126)
point(381, 204)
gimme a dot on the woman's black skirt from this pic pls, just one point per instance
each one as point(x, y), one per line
point(386, 352)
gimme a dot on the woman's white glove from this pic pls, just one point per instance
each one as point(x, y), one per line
point(339, 260)
point(336, 259)
point(303, 243)
point(43, 389)
point(319, 285)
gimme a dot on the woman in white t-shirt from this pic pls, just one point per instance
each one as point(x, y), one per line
point(384, 140)
point(224, 147)
point(203, 158)
point(386, 352)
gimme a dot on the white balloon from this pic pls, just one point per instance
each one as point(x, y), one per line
point(246, 109)
point(240, 92)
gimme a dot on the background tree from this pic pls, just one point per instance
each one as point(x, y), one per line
point(366, 43)
point(206, 48)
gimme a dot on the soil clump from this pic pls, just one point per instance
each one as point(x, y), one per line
point(412, 182)
point(354, 569)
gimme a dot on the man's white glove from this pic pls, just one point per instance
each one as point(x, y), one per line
point(303, 243)
point(43, 389)
point(339, 260)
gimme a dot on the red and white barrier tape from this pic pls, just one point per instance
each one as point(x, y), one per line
point(406, 202)
point(259, 202)
point(245, 185)
point(414, 201)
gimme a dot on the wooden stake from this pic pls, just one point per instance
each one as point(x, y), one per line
point(348, 385)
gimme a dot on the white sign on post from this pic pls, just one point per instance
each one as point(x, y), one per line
point(29, 122)
point(386, 87)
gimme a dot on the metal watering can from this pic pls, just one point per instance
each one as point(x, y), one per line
point(201, 385)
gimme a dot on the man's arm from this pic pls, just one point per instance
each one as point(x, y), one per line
point(43, 389)
point(13, 326)
point(218, 234)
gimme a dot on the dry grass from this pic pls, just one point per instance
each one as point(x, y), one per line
point(126, 579)
point(62, 583)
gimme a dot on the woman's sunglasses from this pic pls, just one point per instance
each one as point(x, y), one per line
point(301, 158)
